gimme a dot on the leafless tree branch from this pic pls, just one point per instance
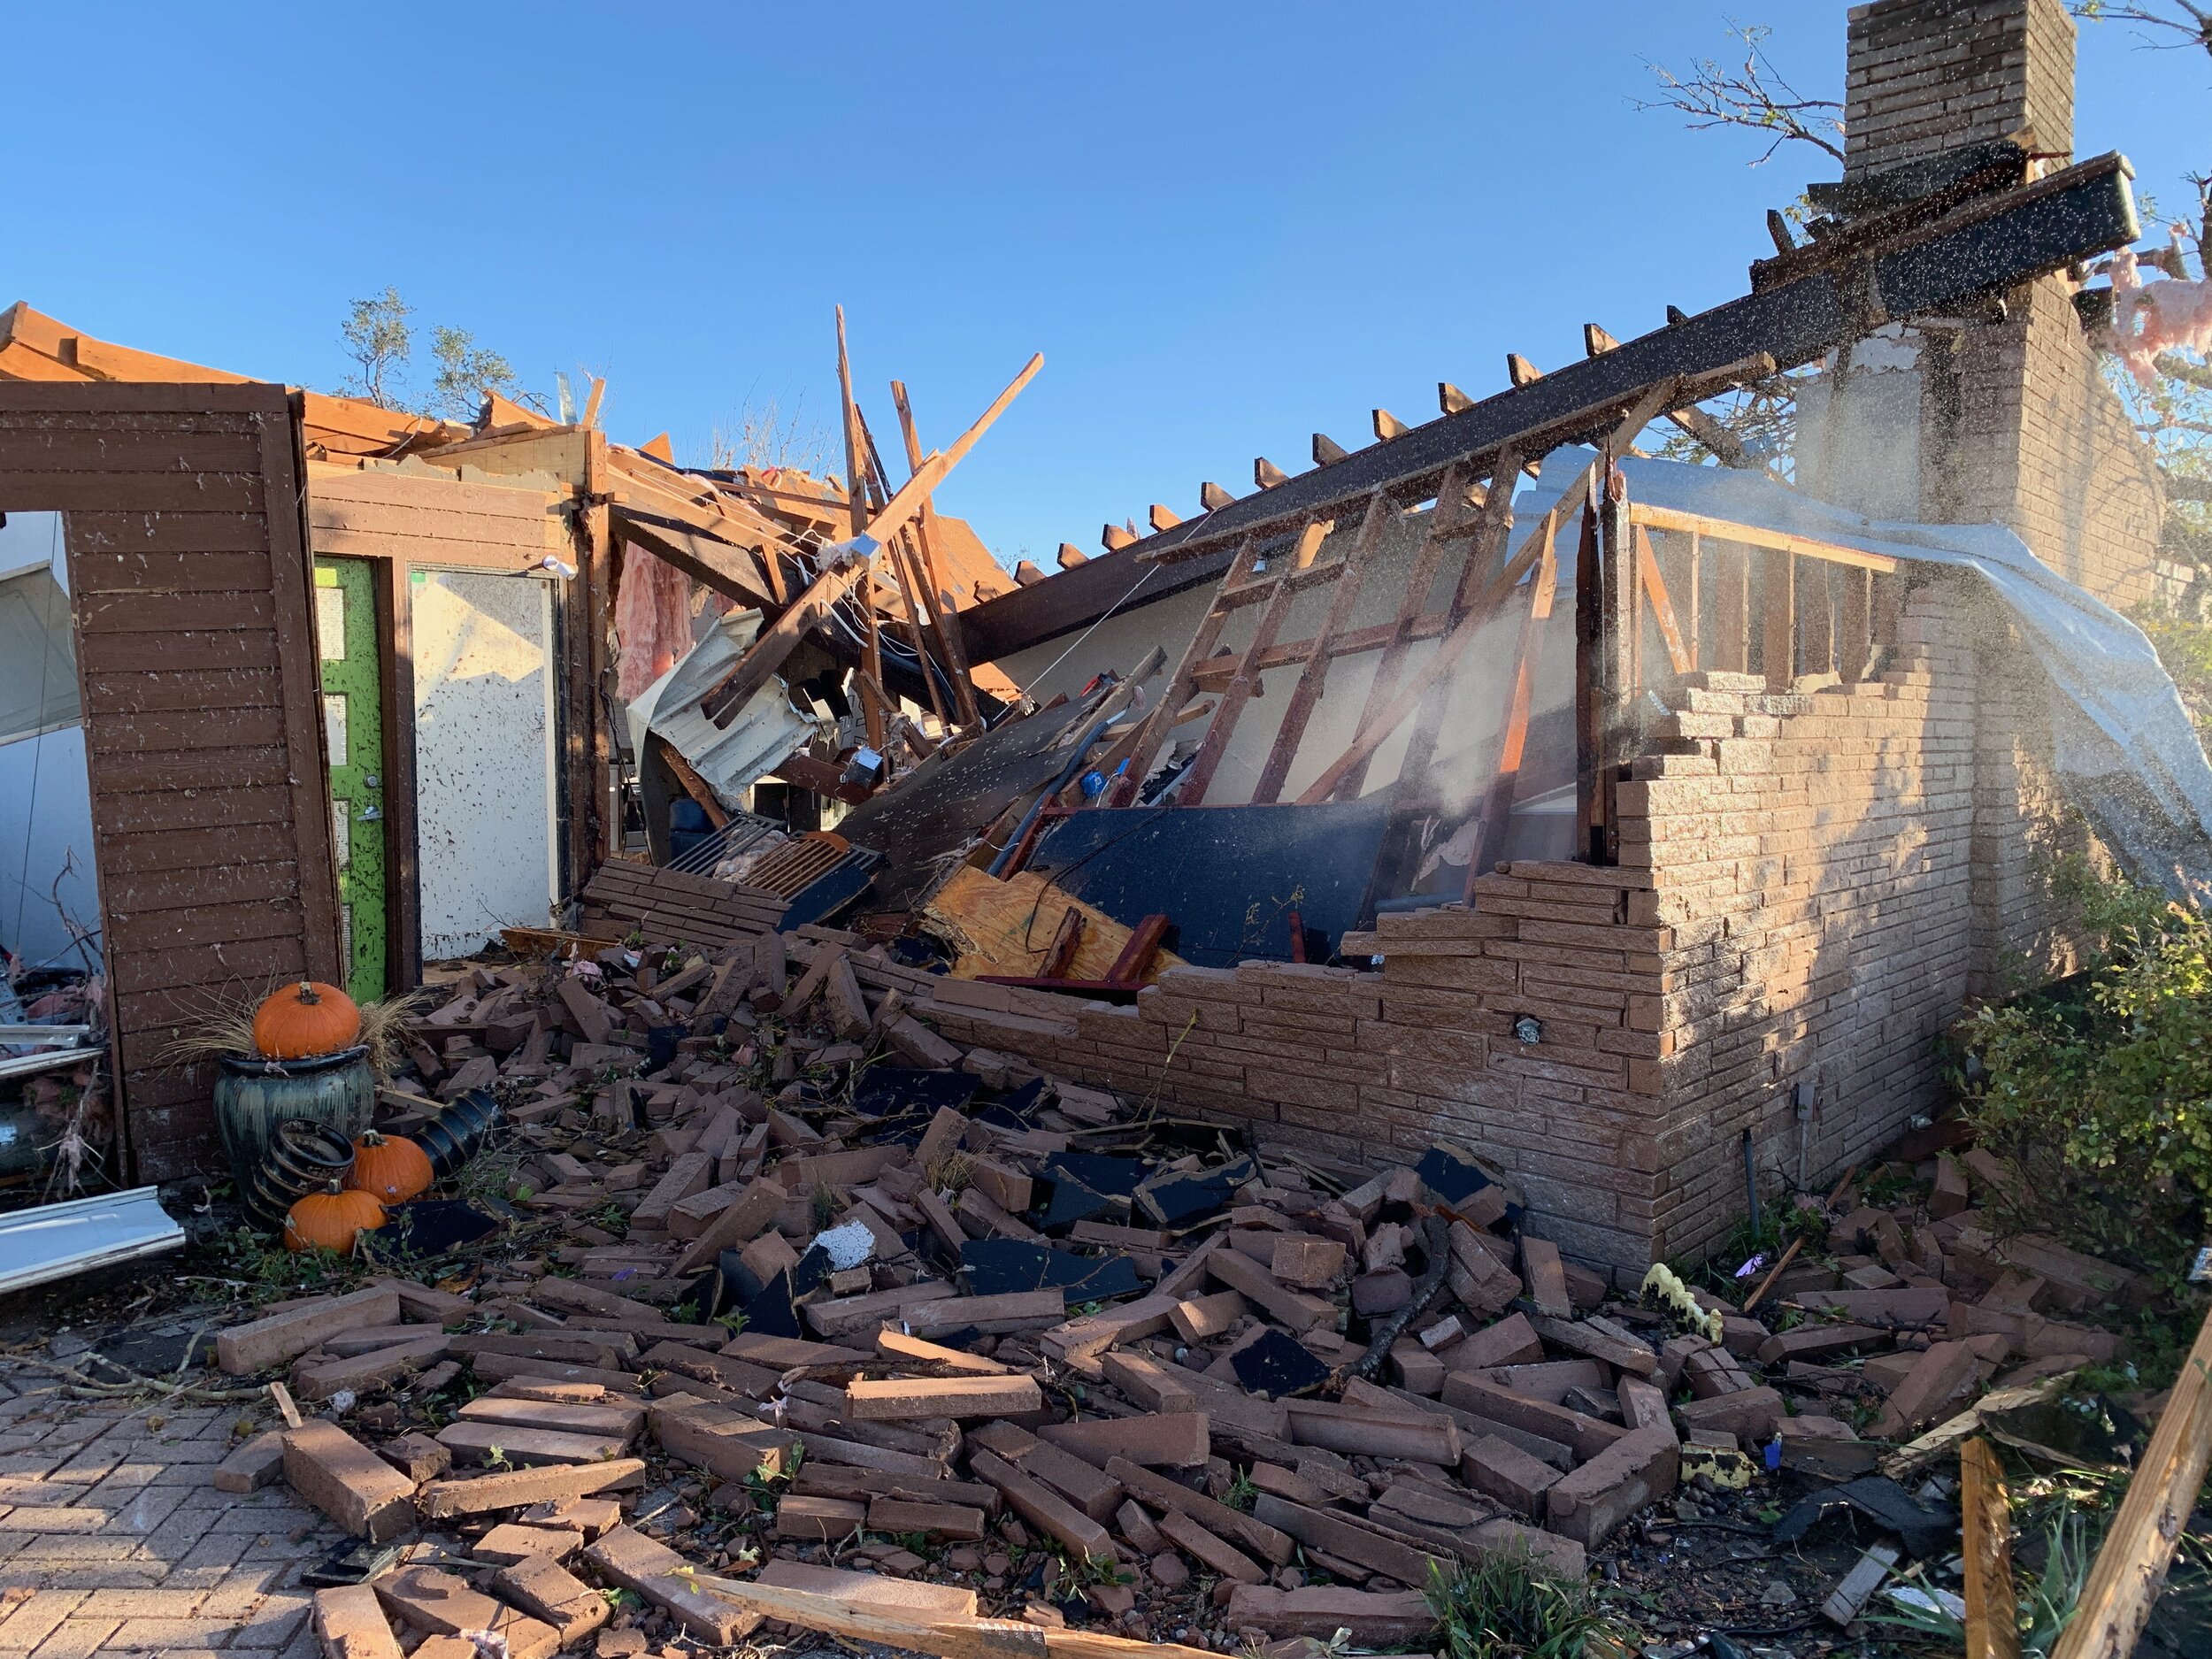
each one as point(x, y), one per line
point(1755, 98)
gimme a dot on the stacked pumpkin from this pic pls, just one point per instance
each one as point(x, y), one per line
point(304, 1022)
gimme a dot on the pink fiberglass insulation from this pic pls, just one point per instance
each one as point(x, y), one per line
point(652, 620)
point(2163, 317)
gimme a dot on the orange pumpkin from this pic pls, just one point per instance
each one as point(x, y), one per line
point(390, 1168)
point(331, 1219)
point(304, 1020)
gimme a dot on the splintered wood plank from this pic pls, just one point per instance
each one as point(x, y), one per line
point(2131, 1567)
point(1246, 681)
point(781, 637)
point(1991, 1628)
point(1313, 673)
point(1758, 536)
point(924, 527)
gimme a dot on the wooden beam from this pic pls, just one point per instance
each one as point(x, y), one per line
point(912, 593)
point(1162, 517)
point(735, 573)
point(2131, 1566)
point(1212, 497)
point(1115, 537)
point(1444, 520)
point(1493, 523)
point(1590, 793)
point(1497, 806)
point(1314, 670)
point(1992, 1628)
point(944, 611)
point(1778, 609)
point(1439, 664)
point(1520, 371)
point(781, 637)
point(1854, 632)
point(1755, 535)
point(1679, 655)
point(1388, 425)
point(1245, 685)
point(1327, 450)
point(1153, 736)
point(1450, 399)
point(1266, 474)
point(694, 785)
point(858, 499)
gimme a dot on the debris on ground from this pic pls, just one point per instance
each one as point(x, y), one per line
point(789, 1297)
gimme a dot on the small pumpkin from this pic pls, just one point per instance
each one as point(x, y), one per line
point(332, 1219)
point(304, 1020)
point(390, 1168)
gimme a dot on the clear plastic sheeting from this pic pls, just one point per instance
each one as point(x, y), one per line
point(60, 1241)
point(2125, 741)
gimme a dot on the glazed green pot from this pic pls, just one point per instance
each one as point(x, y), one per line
point(253, 1096)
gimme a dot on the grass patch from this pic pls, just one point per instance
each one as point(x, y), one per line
point(1507, 1607)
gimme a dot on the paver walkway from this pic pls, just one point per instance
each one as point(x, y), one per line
point(113, 1538)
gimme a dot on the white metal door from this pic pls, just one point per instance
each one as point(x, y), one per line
point(485, 777)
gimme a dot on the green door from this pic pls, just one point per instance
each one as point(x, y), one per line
point(353, 721)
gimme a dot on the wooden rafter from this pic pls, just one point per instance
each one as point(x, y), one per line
point(1153, 738)
point(1373, 733)
point(1280, 593)
point(1313, 673)
point(873, 711)
point(1444, 522)
point(946, 611)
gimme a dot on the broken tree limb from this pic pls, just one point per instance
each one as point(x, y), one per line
point(1436, 1245)
point(781, 637)
point(1796, 1244)
point(2131, 1568)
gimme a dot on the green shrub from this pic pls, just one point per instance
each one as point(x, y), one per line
point(2100, 1089)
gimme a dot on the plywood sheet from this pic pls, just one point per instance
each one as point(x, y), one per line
point(1007, 928)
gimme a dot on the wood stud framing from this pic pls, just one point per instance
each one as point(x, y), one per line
point(1660, 594)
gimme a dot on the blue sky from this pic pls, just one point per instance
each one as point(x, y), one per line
point(1225, 225)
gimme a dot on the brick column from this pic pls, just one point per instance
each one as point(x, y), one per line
point(2017, 427)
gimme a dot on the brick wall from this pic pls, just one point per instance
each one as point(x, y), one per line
point(1812, 886)
point(2042, 444)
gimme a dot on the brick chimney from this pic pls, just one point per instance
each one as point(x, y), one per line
point(1970, 420)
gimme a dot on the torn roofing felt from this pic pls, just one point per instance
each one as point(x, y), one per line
point(2125, 740)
